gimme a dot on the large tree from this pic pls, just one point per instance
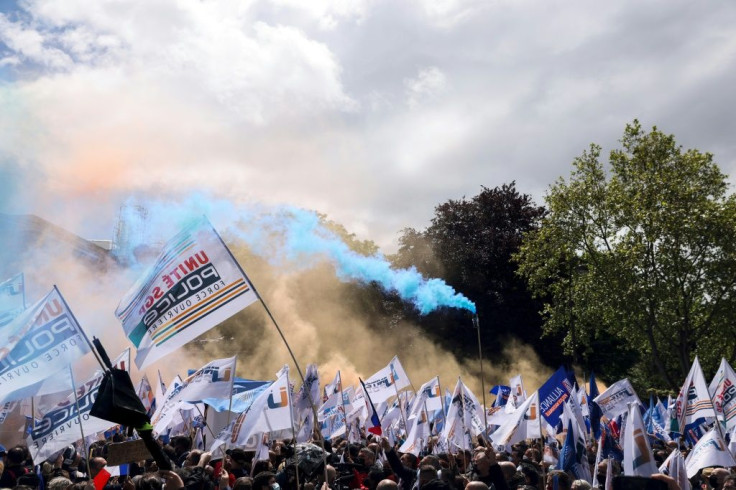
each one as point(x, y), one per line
point(637, 259)
point(469, 244)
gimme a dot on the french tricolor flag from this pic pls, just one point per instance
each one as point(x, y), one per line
point(373, 424)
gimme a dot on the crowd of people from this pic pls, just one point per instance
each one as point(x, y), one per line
point(374, 464)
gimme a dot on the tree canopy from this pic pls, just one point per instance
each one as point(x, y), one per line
point(636, 260)
point(469, 244)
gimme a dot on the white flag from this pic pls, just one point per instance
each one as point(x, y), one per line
point(194, 285)
point(463, 417)
point(12, 300)
point(418, 435)
point(615, 400)
point(270, 412)
point(53, 340)
point(693, 401)
point(638, 458)
point(386, 382)
point(429, 394)
point(723, 393)
point(709, 451)
point(524, 424)
point(517, 390)
point(60, 426)
point(213, 380)
point(674, 466)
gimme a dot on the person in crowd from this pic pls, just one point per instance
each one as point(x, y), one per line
point(182, 445)
point(387, 485)
point(265, 481)
point(558, 480)
point(476, 485)
point(486, 469)
point(242, 483)
point(404, 467)
point(13, 467)
point(59, 483)
point(581, 485)
point(718, 477)
point(729, 483)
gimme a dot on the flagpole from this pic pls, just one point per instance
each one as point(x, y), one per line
point(444, 418)
point(541, 436)
point(288, 347)
point(204, 419)
point(342, 402)
point(598, 455)
point(273, 320)
point(482, 381)
point(465, 429)
point(232, 387)
point(401, 409)
point(79, 418)
point(293, 432)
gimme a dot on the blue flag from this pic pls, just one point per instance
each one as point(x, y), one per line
point(553, 394)
point(595, 411)
point(567, 454)
point(502, 395)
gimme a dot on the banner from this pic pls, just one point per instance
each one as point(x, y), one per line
point(615, 400)
point(693, 402)
point(5, 410)
point(60, 426)
point(553, 394)
point(674, 466)
point(428, 396)
point(524, 424)
point(709, 451)
point(269, 412)
point(638, 457)
point(213, 380)
point(53, 341)
point(12, 299)
point(194, 285)
point(723, 392)
point(517, 390)
point(386, 382)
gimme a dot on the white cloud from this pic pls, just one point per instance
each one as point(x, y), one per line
point(370, 111)
point(429, 84)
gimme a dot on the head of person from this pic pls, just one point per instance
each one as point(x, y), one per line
point(243, 483)
point(16, 456)
point(95, 465)
point(563, 480)
point(366, 456)
point(181, 444)
point(432, 461)
point(59, 483)
point(729, 483)
point(387, 485)
point(718, 477)
point(481, 462)
point(409, 460)
point(508, 469)
point(476, 485)
point(331, 474)
point(237, 459)
point(264, 481)
point(581, 485)
point(193, 458)
point(149, 481)
point(427, 473)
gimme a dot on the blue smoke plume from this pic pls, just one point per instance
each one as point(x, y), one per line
point(285, 236)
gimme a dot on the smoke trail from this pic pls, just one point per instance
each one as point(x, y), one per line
point(288, 236)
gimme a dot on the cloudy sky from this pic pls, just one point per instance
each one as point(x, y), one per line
point(372, 112)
